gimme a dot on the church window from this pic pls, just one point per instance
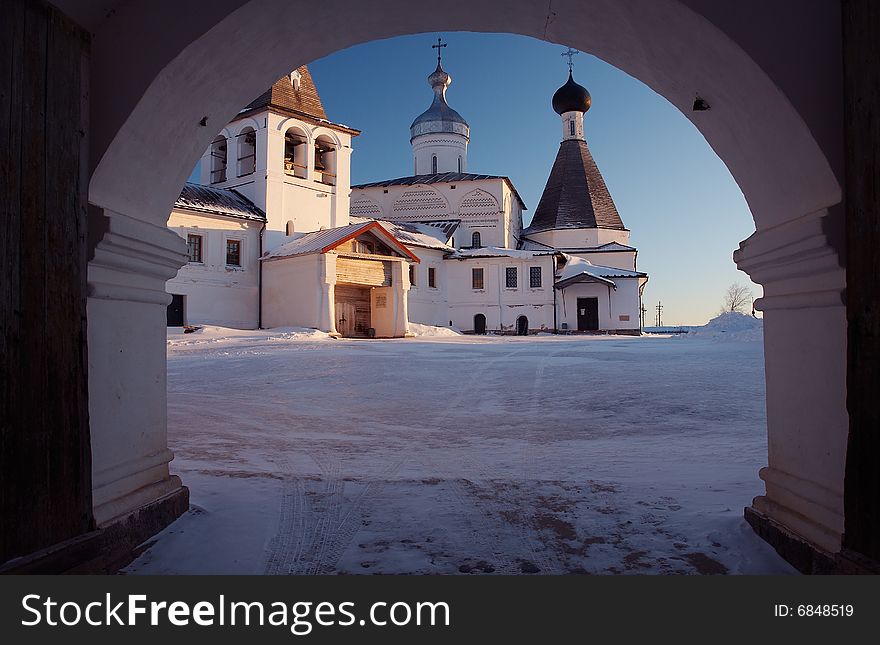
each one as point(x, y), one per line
point(459, 165)
point(218, 160)
point(233, 253)
point(434, 164)
point(288, 228)
point(432, 277)
point(510, 277)
point(247, 152)
point(477, 278)
point(295, 153)
point(571, 128)
point(194, 247)
point(476, 241)
point(412, 274)
point(535, 277)
point(325, 160)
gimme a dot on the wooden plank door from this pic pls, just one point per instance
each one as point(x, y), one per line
point(45, 452)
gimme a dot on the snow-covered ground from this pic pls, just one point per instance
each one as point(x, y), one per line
point(463, 454)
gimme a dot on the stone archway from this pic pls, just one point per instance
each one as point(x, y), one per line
point(767, 129)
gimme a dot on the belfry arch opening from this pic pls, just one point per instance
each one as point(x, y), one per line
point(296, 153)
point(247, 152)
point(219, 160)
point(792, 187)
point(325, 160)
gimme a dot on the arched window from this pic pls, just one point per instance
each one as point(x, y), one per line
point(475, 240)
point(295, 153)
point(325, 160)
point(459, 163)
point(571, 127)
point(288, 228)
point(218, 160)
point(434, 164)
point(247, 152)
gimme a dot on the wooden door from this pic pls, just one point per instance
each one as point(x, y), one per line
point(522, 326)
point(479, 324)
point(588, 314)
point(353, 310)
point(45, 450)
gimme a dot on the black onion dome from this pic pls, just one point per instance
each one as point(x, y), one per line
point(571, 97)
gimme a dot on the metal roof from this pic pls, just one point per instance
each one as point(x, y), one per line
point(440, 178)
point(219, 201)
point(439, 115)
point(415, 233)
point(330, 238)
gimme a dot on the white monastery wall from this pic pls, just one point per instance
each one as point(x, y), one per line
point(500, 304)
point(217, 293)
point(428, 305)
point(293, 291)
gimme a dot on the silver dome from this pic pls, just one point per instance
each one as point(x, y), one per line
point(439, 117)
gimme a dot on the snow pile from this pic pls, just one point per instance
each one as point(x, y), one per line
point(430, 330)
point(226, 336)
point(730, 325)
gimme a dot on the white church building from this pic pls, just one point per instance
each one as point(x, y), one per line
point(277, 235)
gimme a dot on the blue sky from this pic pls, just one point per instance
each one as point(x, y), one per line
point(685, 211)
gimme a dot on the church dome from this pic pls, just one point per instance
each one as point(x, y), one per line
point(571, 97)
point(439, 117)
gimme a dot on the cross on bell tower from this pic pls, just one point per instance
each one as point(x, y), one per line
point(440, 44)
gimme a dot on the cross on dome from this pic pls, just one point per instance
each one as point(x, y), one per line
point(440, 44)
point(571, 54)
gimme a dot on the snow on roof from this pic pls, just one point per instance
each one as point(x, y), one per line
point(328, 239)
point(533, 245)
point(414, 234)
point(578, 270)
point(314, 242)
point(443, 177)
point(219, 201)
point(496, 252)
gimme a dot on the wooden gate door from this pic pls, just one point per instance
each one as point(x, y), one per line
point(352, 310)
point(45, 450)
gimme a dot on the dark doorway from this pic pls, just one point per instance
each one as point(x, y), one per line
point(479, 324)
point(588, 314)
point(175, 311)
point(522, 326)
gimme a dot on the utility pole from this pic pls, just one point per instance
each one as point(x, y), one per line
point(642, 311)
point(659, 314)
